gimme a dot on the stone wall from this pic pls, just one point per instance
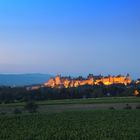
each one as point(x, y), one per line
point(66, 82)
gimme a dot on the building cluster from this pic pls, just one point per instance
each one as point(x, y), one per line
point(67, 82)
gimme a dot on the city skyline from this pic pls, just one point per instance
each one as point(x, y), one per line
point(74, 37)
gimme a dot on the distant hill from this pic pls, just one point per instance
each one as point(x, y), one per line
point(23, 79)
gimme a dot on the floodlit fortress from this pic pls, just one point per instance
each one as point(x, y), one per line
point(66, 82)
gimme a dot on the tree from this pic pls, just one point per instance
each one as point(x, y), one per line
point(31, 107)
point(17, 111)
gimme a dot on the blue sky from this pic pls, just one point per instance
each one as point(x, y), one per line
point(70, 37)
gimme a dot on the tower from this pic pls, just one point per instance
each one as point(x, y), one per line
point(128, 79)
point(58, 80)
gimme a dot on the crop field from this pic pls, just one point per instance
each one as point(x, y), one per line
point(74, 125)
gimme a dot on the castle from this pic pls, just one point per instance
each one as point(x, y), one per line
point(66, 82)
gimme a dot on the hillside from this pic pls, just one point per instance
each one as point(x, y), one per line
point(23, 79)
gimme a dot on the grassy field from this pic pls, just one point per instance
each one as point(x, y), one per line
point(73, 119)
point(92, 101)
point(52, 106)
point(104, 100)
point(79, 125)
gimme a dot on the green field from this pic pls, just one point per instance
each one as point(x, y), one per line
point(53, 106)
point(76, 125)
point(92, 101)
point(83, 101)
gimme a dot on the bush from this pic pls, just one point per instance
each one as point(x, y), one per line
point(3, 113)
point(111, 108)
point(17, 111)
point(6, 102)
point(31, 107)
point(138, 106)
point(127, 106)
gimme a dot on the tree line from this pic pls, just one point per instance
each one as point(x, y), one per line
point(20, 94)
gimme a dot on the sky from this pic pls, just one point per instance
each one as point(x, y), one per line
point(70, 37)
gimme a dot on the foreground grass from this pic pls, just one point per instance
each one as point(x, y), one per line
point(102, 100)
point(80, 125)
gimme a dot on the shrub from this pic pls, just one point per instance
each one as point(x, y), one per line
point(111, 108)
point(3, 113)
point(31, 107)
point(138, 106)
point(17, 111)
point(127, 106)
point(6, 102)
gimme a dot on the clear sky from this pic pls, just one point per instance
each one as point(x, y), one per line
point(70, 37)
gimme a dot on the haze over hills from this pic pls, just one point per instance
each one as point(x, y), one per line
point(23, 79)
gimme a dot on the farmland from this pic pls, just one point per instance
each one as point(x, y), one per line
point(102, 100)
point(50, 106)
point(75, 125)
point(76, 119)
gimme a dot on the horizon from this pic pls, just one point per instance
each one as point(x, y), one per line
point(73, 76)
point(73, 37)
